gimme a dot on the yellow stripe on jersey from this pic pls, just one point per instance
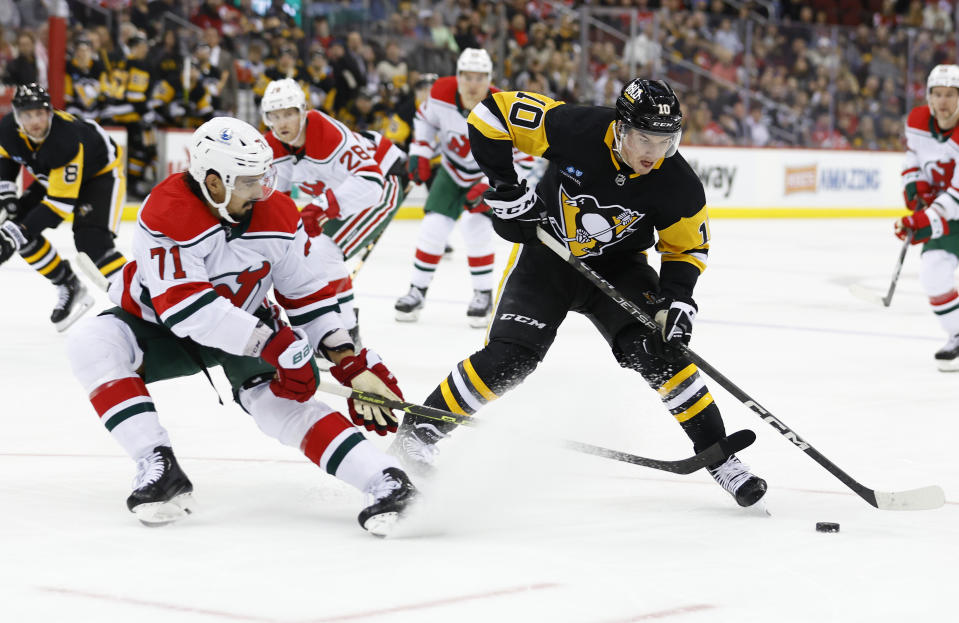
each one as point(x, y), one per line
point(3, 152)
point(451, 403)
point(694, 410)
point(477, 382)
point(687, 234)
point(524, 114)
point(397, 130)
point(510, 263)
point(674, 382)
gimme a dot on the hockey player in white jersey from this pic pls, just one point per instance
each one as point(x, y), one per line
point(931, 189)
point(355, 181)
point(440, 126)
point(209, 246)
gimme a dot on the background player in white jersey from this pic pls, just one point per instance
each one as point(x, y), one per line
point(355, 181)
point(440, 125)
point(615, 187)
point(209, 245)
point(931, 189)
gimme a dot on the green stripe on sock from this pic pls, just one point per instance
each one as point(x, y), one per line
point(118, 418)
point(348, 444)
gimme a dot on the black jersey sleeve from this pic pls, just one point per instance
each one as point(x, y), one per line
point(683, 231)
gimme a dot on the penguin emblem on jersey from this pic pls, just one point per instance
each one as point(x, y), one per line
point(588, 227)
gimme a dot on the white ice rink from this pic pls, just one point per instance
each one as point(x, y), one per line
point(514, 530)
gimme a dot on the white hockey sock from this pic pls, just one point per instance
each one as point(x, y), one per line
point(477, 232)
point(434, 232)
point(126, 410)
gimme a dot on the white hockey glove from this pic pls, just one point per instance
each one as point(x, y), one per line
point(8, 200)
point(366, 372)
point(509, 201)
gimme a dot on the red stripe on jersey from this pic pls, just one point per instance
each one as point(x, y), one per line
point(345, 230)
point(919, 118)
point(942, 299)
point(126, 299)
point(481, 260)
point(303, 301)
point(370, 168)
point(427, 258)
point(177, 294)
point(912, 170)
point(112, 393)
point(322, 434)
point(379, 219)
point(381, 149)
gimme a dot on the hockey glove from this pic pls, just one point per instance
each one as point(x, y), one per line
point(11, 239)
point(292, 356)
point(419, 169)
point(675, 319)
point(315, 214)
point(474, 198)
point(918, 195)
point(8, 200)
point(509, 201)
point(925, 225)
point(366, 372)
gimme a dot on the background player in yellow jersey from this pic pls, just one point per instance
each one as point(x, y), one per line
point(78, 171)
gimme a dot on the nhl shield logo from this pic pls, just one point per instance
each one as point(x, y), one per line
point(620, 179)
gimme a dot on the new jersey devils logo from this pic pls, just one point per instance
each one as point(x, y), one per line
point(940, 173)
point(248, 280)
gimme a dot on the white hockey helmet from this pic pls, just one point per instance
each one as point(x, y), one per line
point(231, 148)
point(943, 76)
point(280, 95)
point(475, 59)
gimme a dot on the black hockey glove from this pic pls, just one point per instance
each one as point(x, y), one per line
point(9, 206)
point(509, 201)
point(11, 239)
point(675, 318)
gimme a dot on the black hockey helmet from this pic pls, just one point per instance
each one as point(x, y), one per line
point(651, 106)
point(30, 97)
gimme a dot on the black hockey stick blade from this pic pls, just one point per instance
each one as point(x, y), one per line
point(715, 453)
point(925, 498)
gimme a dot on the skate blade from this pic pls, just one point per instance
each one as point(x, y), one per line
point(382, 525)
point(759, 509)
point(157, 514)
point(948, 366)
point(410, 316)
point(478, 322)
point(82, 306)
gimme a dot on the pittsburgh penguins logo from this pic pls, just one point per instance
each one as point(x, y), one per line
point(588, 228)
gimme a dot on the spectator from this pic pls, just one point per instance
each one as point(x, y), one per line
point(757, 128)
point(23, 69)
point(393, 69)
point(463, 33)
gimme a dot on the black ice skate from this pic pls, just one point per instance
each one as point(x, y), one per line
point(73, 301)
point(947, 357)
point(392, 493)
point(415, 447)
point(162, 493)
point(734, 477)
point(409, 305)
point(477, 314)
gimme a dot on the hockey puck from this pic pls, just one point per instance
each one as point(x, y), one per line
point(826, 526)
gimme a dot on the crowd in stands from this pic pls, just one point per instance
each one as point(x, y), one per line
point(816, 74)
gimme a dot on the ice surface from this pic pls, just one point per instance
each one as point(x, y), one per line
point(513, 529)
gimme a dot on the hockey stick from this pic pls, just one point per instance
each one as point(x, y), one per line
point(924, 498)
point(868, 295)
point(716, 453)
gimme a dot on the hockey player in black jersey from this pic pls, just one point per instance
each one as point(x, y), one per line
point(78, 171)
point(615, 187)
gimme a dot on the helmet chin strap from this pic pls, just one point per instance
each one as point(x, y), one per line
point(220, 207)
